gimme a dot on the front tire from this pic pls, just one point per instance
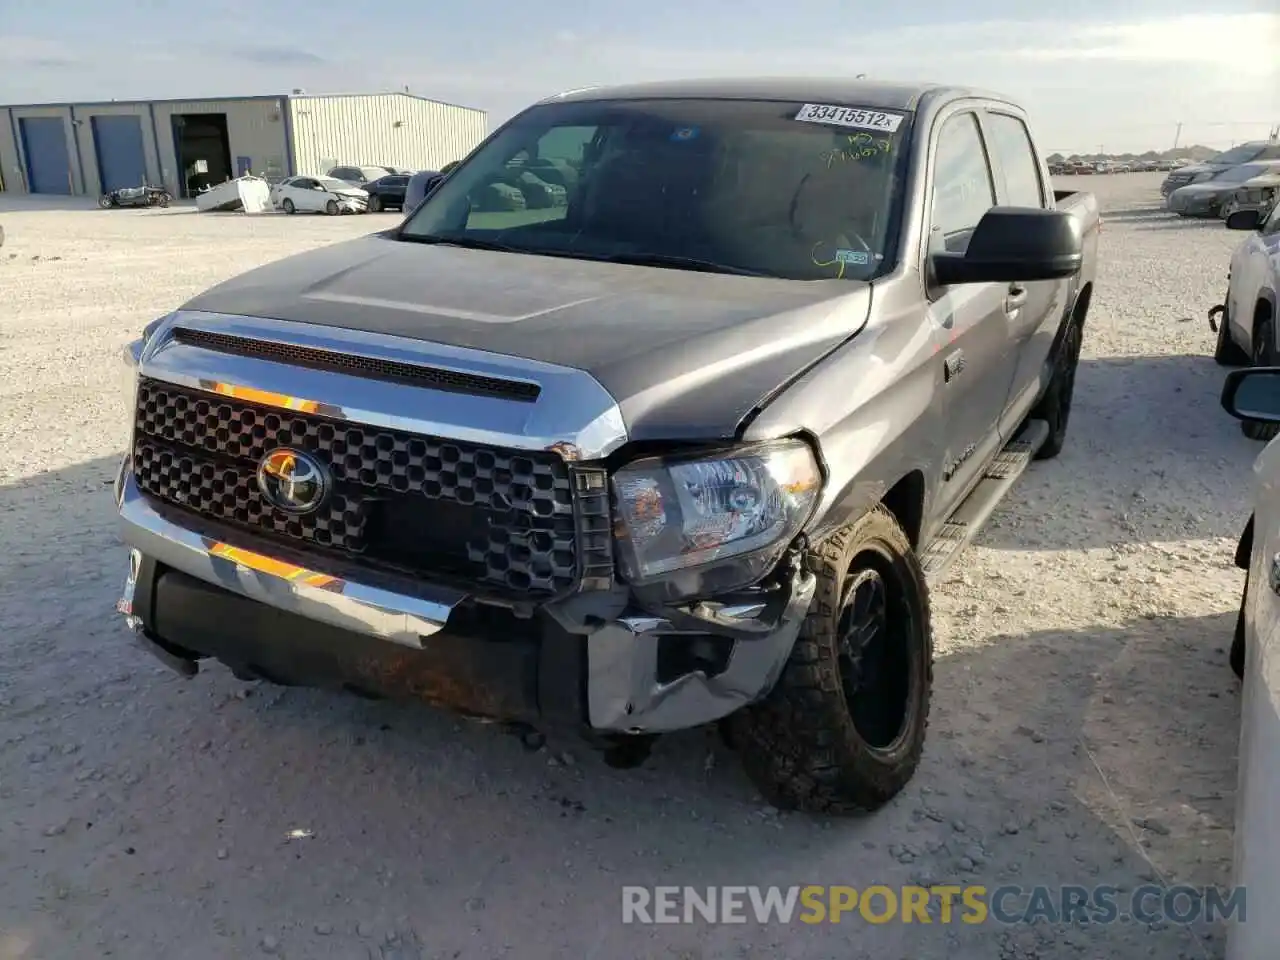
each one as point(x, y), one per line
point(105, 201)
point(375, 204)
point(288, 206)
point(1263, 356)
point(843, 730)
point(331, 208)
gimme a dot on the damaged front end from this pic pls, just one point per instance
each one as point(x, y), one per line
point(314, 529)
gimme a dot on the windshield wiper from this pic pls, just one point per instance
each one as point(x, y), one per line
point(682, 263)
point(634, 259)
point(471, 243)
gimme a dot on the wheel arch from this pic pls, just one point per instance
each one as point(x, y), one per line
point(905, 500)
point(1265, 307)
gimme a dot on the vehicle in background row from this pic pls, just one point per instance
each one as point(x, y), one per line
point(1259, 194)
point(146, 195)
point(423, 182)
point(1246, 321)
point(1253, 396)
point(387, 193)
point(318, 195)
point(358, 176)
point(1199, 172)
point(1207, 197)
point(685, 448)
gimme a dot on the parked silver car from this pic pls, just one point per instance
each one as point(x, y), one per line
point(1199, 172)
point(1207, 198)
point(1254, 395)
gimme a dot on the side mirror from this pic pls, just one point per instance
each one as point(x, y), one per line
point(1015, 243)
point(1244, 220)
point(1253, 394)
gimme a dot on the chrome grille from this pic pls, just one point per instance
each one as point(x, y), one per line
point(516, 521)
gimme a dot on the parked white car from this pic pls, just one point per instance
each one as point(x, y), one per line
point(1254, 396)
point(1247, 322)
point(318, 195)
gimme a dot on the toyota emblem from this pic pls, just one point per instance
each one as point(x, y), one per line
point(292, 481)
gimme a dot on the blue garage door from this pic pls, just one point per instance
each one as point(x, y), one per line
point(44, 141)
point(122, 159)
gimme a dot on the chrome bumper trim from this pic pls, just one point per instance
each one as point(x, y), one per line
point(394, 615)
point(623, 694)
point(573, 413)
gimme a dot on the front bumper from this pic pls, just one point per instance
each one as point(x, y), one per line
point(192, 593)
point(1197, 205)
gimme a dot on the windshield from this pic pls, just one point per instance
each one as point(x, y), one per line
point(1242, 173)
point(331, 183)
point(743, 186)
point(1241, 154)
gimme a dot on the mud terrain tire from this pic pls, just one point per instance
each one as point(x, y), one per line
point(843, 729)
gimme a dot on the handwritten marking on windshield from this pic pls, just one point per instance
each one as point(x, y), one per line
point(858, 146)
point(840, 259)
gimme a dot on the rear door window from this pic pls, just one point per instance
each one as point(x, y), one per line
point(962, 186)
point(1011, 146)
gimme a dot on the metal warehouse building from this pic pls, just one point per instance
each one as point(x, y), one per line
point(90, 148)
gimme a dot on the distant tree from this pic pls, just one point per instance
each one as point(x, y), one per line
point(1055, 158)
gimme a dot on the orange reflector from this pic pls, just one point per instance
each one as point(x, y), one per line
point(269, 565)
point(266, 397)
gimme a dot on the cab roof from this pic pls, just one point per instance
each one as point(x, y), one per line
point(875, 94)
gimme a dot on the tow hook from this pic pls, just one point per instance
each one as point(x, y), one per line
point(1214, 313)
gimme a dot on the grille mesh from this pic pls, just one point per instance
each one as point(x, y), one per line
point(409, 502)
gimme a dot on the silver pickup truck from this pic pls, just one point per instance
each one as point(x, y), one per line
point(661, 410)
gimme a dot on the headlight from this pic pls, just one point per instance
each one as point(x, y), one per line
point(680, 513)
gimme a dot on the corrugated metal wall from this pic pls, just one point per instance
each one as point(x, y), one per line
point(89, 149)
point(255, 128)
point(388, 129)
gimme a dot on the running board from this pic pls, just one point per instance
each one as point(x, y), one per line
point(968, 519)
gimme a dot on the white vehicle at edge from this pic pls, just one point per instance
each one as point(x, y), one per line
point(1249, 321)
point(318, 195)
point(1254, 395)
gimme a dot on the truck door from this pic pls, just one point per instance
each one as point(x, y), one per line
point(1037, 307)
point(972, 333)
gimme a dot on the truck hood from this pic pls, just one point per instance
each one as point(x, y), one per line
point(687, 355)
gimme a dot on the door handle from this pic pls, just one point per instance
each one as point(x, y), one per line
point(1015, 298)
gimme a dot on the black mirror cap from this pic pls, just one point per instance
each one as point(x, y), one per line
point(1017, 243)
point(1244, 220)
point(1250, 378)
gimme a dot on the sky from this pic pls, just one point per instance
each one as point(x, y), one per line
point(1096, 75)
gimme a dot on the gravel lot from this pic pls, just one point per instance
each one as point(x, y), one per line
point(1084, 728)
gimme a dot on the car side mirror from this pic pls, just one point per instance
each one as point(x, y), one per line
point(1244, 220)
point(1253, 394)
point(1015, 243)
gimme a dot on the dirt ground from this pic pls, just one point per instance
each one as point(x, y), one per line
point(1084, 729)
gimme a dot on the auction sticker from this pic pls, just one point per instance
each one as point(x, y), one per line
point(858, 117)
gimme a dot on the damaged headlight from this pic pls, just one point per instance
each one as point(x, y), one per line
point(681, 513)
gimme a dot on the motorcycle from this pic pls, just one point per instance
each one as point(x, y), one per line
point(143, 196)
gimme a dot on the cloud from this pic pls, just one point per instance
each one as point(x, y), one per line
point(36, 53)
point(1246, 41)
point(1126, 81)
point(271, 56)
